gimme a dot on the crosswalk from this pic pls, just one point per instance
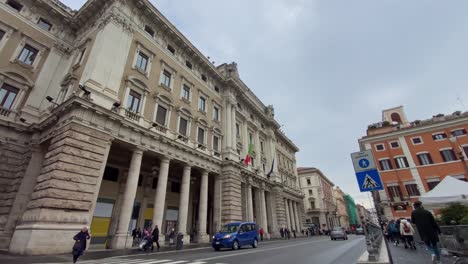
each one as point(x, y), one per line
point(138, 261)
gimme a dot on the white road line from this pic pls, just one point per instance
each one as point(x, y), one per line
point(156, 261)
point(177, 262)
point(261, 250)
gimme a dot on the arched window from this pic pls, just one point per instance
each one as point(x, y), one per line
point(396, 118)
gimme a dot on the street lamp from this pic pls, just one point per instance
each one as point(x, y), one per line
point(461, 155)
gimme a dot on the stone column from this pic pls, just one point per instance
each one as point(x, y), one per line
point(228, 123)
point(184, 203)
point(233, 128)
point(288, 217)
point(121, 237)
point(143, 206)
point(249, 203)
point(217, 221)
point(263, 212)
point(291, 215)
point(203, 209)
point(296, 215)
point(160, 196)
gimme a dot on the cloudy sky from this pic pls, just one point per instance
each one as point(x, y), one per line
point(329, 67)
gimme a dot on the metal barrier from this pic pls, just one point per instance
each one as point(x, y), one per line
point(455, 240)
point(374, 237)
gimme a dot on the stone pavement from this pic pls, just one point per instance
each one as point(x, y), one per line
point(400, 255)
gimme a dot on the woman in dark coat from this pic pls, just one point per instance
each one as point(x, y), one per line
point(80, 243)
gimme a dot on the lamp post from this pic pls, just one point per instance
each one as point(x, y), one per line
point(461, 155)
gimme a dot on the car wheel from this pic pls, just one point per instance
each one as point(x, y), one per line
point(235, 245)
point(255, 243)
point(216, 248)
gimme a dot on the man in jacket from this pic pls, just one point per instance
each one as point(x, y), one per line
point(155, 237)
point(428, 229)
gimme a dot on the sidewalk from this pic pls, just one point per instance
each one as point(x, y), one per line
point(400, 255)
point(6, 257)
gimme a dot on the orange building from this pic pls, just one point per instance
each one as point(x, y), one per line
point(413, 157)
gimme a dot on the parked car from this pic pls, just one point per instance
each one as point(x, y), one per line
point(338, 232)
point(359, 231)
point(235, 235)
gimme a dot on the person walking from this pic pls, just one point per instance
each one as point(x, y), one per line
point(294, 233)
point(407, 233)
point(172, 236)
point(427, 228)
point(80, 243)
point(261, 232)
point(155, 237)
point(282, 232)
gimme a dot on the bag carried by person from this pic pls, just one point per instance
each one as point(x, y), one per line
point(406, 228)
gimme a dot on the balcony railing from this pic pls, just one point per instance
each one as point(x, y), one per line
point(160, 128)
point(5, 112)
point(132, 115)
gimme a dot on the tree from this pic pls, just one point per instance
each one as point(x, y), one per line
point(454, 212)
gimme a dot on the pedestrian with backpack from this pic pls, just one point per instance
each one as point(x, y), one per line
point(407, 233)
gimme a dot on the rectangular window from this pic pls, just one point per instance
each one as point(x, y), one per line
point(412, 189)
point(201, 136)
point(238, 134)
point(385, 164)
point(188, 64)
point(202, 104)
point(166, 78)
point(215, 113)
point(8, 95)
point(432, 184)
point(401, 162)
point(171, 49)
point(142, 61)
point(425, 159)
point(395, 192)
point(458, 132)
point(2, 33)
point(251, 138)
point(186, 92)
point(133, 101)
point(395, 144)
point(15, 5)
point(28, 54)
point(310, 192)
point(111, 174)
point(44, 24)
point(175, 187)
point(149, 30)
point(183, 126)
point(261, 147)
point(309, 182)
point(416, 140)
point(161, 115)
point(448, 155)
point(379, 147)
point(204, 78)
point(439, 136)
point(216, 143)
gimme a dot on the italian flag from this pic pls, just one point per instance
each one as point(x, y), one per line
point(248, 158)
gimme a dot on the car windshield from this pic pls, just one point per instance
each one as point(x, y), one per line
point(337, 229)
point(229, 228)
point(359, 229)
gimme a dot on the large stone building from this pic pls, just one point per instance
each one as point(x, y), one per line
point(319, 204)
point(341, 211)
point(413, 157)
point(110, 118)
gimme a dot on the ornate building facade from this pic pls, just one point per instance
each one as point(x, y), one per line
point(341, 212)
point(110, 118)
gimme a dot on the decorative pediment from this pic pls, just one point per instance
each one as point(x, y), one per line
point(136, 82)
point(202, 122)
point(17, 78)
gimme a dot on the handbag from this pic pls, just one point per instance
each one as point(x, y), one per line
point(77, 245)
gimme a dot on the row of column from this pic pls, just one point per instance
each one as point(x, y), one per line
point(292, 215)
point(160, 200)
point(262, 218)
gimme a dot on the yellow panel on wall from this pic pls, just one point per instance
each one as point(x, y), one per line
point(100, 226)
point(149, 214)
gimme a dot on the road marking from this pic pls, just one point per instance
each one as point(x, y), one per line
point(177, 262)
point(262, 250)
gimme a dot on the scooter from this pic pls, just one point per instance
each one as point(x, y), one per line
point(145, 244)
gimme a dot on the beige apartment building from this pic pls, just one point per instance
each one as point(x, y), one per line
point(341, 211)
point(110, 118)
point(319, 204)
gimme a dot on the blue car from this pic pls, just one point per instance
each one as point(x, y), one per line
point(235, 235)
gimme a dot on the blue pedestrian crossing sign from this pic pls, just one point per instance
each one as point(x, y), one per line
point(369, 180)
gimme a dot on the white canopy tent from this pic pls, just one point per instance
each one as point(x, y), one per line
point(449, 190)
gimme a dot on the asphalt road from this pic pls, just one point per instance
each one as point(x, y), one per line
point(320, 250)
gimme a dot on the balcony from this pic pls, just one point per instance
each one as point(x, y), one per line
point(160, 128)
point(132, 115)
point(5, 112)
